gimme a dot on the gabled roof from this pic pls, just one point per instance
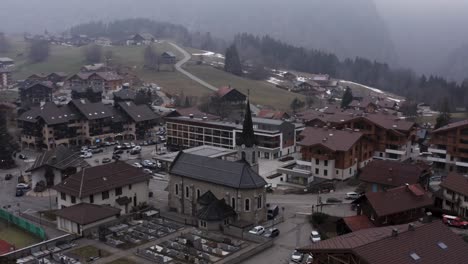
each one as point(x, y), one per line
point(399, 199)
point(206, 198)
point(236, 175)
point(393, 173)
point(378, 246)
point(272, 114)
point(456, 182)
point(358, 222)
point(224, 90)
point(335, 140)
point(138, 113)
point(101, 178)
point(85, 88)
point(217, 210)
point(125, 94)
point(85, 213)
point(46, 85)
point(451, 126)
point(90, 110)
point(50, 113)
point(60, 158)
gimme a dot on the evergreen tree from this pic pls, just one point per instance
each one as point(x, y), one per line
point(296, 104)
point(444, 117)
point(39, 51)
point(4, 44)
point(141, 97)
point(150, 58)
point(347, 98)
point(7, 143)
point(232, 62)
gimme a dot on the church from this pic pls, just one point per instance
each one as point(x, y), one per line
point(219, 192)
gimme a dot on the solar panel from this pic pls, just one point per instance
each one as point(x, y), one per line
point(442, 245)
point(415, 256)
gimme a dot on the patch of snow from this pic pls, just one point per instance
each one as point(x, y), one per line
point(393, 99)
point(301, 79)
point(328, 92)
point(209, 54)
point(367, 87)
point(273, 80)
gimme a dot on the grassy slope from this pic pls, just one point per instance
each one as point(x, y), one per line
point(70, 59)
point(261, 92)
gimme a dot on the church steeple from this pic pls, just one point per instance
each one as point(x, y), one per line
point(247, 136)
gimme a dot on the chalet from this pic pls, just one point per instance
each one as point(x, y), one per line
point(394, 206)
point(430, 243)
point(53, 166)
point(140, 39)
point(380, 175)
point(116, 184)
point(124, 95)
point(5, 78)
point(231, 95)
point(35, 94)
point(334, 154)
point(455, 194)
point(91, 93)
point(108, 81)
point(55, 79)
point(448, 146)
point(168, 60)
point(366, 105)
point(143, 118)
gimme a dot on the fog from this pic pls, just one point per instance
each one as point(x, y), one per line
point(421, 34)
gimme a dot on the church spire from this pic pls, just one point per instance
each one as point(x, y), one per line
point(248, 136)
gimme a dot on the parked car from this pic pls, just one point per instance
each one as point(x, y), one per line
point(8, 177)
point(273, 211)
point(297, 256)
point(99, 150)
point(118, 151)
point(137, 165)
point(148, 164)
point(454, 221)
point(315, 236)
point(148, 171)
point(86, 155)
point(309, 259)
point(115, 157)
point(127, 146)
point(258, 230)
point(106, 160)
point(272, 232)
point(19, 193)
point(118, 147)
point(352, 195)
point(23, 186)
point(22, 156)
point(132, 145)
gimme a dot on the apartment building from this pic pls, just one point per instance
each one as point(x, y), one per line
point(81, 122)
point(392, 137)
point(449, 147)
point(334, 154)
point(109, 81)
point(274, 138)
point(35, 94)
point(5, 78)
point(455, 194)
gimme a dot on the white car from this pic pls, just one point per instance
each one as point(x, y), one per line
point(148, 171)
point(137, 165)
point(258, 230)
point(352, 195)
point(315, 236)
point(86, 155)
point(297, 256)
point(22, 186)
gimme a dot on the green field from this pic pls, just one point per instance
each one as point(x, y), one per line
point(70, 59)
point(16, 236)
point(261, 92)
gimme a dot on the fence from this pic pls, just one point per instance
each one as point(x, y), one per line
point(23, 224)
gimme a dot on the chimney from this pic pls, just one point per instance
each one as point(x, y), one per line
point(205, 118)
point(411, 227)
point(394, 232)
point(191, 116)
point(407, 185)
point(429, 217)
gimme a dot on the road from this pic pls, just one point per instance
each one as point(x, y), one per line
point(186, 58)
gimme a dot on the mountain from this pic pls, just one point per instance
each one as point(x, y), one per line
point(346, 28)
point(456, 65)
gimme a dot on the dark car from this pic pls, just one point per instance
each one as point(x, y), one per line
point(106, 160)
point(8, 177)
point(272, 232)
point(115, 157)
point(118, 147)
point(118, 151)
point(22, 156)
point(94, 151)
point(19, 193)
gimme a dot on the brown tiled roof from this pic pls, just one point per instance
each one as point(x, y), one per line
point(392, 173)
point(109, 76)
point(224, 90)
point(456, 182)
point(451, 126)
point(336, 140)
point(85, 213)
point(358, 222)
point(50, 113)
point(101, 178)
point(272, 114)
point(377, 246)
point(399, 199)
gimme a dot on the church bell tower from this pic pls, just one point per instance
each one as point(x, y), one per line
point(247, 146)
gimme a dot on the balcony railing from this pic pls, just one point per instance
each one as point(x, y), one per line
point(436, 150)
point(461, 164)
point(435, 159)
point(395, 151)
